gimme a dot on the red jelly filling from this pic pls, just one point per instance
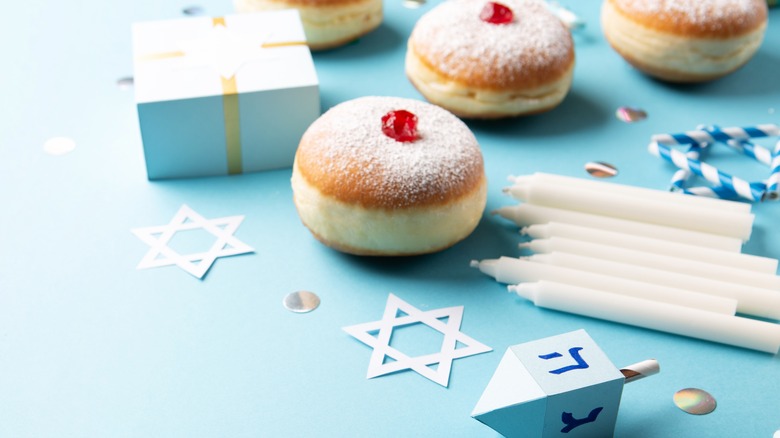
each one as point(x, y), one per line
point(400, 125)
point(496, 13)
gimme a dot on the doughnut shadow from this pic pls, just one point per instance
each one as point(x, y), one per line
point(757, 77)
point(490, 239)
point(437, 267)
point(577, 112)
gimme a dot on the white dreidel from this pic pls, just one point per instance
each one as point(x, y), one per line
point(561, 386)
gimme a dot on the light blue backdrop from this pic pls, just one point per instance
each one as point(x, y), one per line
point(92, 347)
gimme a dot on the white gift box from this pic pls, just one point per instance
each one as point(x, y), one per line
point(223, 95)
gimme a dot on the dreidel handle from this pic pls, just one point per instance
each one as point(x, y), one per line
point(640, 370)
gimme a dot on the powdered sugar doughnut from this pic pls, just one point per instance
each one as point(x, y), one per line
point(326, 23)
point(477, 68)
point(685, 40)
point(362, 191)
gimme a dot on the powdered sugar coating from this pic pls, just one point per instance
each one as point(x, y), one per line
point(535, 48)
point(699, 17)
point(345, 154)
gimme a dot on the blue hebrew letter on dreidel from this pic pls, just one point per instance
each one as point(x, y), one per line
point(571, 422)
point(575, 354)
point(583, 387)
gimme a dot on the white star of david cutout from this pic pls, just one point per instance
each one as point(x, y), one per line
point(158, 237)
point(421, 364)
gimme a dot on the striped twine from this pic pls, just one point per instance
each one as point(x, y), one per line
point(742, 188)
point(754, 151)
point(723, 184)
point(715, 134)
point(681, 177)
point(773, 182)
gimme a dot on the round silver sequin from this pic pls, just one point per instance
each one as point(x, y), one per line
point(193, 10)
point(695, 401)
point(125, 83)
point(59, 145)
point(630, 115)
point(413, 4)
point(600, 169)
point(777, 434)
point(301, 301)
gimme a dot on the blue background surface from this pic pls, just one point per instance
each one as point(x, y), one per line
point(92, 347)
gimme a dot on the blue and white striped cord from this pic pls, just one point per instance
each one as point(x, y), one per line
point(773, 182)
point(715, 134)
point(711, 192)
point(681, 177)
point(754, 151)
point(744, 189)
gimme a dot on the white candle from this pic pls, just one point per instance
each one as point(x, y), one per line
point(764, 303)
point(527, 214)
point(689, 217)
point(651, 260)
point(633, 191)
point(748, 262)
point(670, 318)
point(511, 270)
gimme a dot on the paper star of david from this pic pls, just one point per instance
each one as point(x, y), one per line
point(158, 237)
point(398, 313)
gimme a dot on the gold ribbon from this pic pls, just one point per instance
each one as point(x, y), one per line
point(230, 110)
point(230, 104)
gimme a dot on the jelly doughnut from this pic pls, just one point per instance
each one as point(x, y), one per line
point(482, 59)
point(685, 40)
point(389, 176)
point(326, 23)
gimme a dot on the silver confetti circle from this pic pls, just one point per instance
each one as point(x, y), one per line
point(777, 434)
point(59, 145)
point(193, 10)
point(301, 301)
point(125, 83)
point(630, 115)
point(695, 401)
point(600, 169)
